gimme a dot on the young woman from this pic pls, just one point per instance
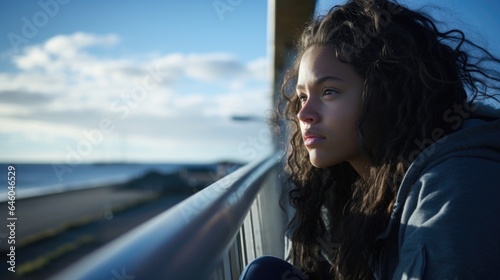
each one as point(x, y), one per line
point(394, 162)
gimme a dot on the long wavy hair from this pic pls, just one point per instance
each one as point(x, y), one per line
point(413, 75)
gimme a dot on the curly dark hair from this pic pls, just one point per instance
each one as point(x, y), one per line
point(413, 75)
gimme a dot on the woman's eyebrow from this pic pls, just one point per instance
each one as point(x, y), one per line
point(320, 81)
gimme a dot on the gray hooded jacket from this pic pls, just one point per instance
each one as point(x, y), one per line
point(445, 223)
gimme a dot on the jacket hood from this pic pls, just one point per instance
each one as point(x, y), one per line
point(478, 135)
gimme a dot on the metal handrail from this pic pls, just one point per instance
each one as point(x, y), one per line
point(185, 242)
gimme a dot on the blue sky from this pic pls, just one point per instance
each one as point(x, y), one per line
point(132, 80)
point(151, 26)
point(149, 81)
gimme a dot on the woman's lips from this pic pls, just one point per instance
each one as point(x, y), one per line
point(311, 139)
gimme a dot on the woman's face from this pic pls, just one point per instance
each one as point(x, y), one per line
point(330, 92)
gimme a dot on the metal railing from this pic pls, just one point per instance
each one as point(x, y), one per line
point(208, 235)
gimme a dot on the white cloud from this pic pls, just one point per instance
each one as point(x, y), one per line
point(213, 67)
point(259, 68)
point(34, 56)
point(183, 101)
point(62, 51)
point(69, 45)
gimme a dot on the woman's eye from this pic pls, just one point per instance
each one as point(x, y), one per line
point(302, 98)
point(330, 91)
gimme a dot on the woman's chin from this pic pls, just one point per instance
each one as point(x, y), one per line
point(319, 163)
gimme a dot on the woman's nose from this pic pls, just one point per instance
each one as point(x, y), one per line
point(308, 113)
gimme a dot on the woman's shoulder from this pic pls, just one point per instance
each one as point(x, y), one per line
point(477, 139)
point(447, 209)
point(455, 179)
point(465, 163)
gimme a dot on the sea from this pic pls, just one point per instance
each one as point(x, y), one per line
point(34, 179)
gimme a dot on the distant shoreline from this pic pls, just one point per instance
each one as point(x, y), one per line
point(34, 180)
point(45, 191)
